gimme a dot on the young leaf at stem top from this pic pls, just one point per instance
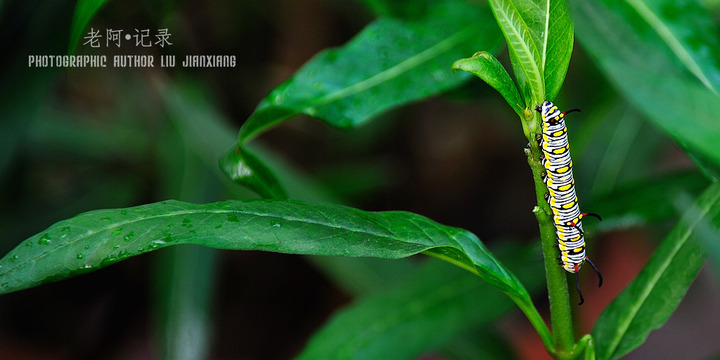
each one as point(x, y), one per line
point(485, 66)
point(539, 34)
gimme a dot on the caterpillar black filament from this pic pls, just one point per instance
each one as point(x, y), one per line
point(558, 177)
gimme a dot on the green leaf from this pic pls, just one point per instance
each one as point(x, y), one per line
point(418, 315)
point(707, 233)
point(686, 28)
point(539, 34)
point(683, 109)
point(99, 238)
point(246, 169)
point(390, 63)
point(485, 66)
point(650, 78)
point(514, 19)
point(363, 276)
point(399, 9)
point(652, 297)
point(558, 46)
point(84, 11)
point(645, 201)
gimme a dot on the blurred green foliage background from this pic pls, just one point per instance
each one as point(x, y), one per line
point(73, 140)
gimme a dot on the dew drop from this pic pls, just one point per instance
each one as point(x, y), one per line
point(4, 284)
point(233, 218)
point(275, 224)
point(117, 232)
point(187, 224)
point(44, 240)
point(110, 259)
point(14, 258)
point(123, 254)
point(80, 255)
point(129, 236)
point(87, 247)
point(29, 244)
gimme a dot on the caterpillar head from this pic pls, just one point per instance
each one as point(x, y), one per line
point(549, 112)
point(545, 108)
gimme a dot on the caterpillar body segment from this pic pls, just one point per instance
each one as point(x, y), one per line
point(561, 196)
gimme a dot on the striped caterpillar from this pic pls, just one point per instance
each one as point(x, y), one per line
point(558, 177)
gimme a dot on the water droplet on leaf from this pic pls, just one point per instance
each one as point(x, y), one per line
point(44, 240)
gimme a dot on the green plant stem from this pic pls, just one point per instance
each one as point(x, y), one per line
point(585, 344)
point(560, 314)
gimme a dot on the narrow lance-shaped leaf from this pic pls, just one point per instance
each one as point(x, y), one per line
point(707, 233)
point(646, 201)
point(539, 34)
point(687, 29)
point(418, 314)
point(650, 78)
point(557, 45)
point(485, 66)
point(99, 238)
point(85, 10)
point(655, 293)
point(102, 237)
point(390, 63)
point(521, 23)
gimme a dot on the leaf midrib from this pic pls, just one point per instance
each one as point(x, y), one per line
point(671, 40)
point(398, 69)
point(645, 293)
point(184, 212)
point(533, 73)
point(546, 37)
